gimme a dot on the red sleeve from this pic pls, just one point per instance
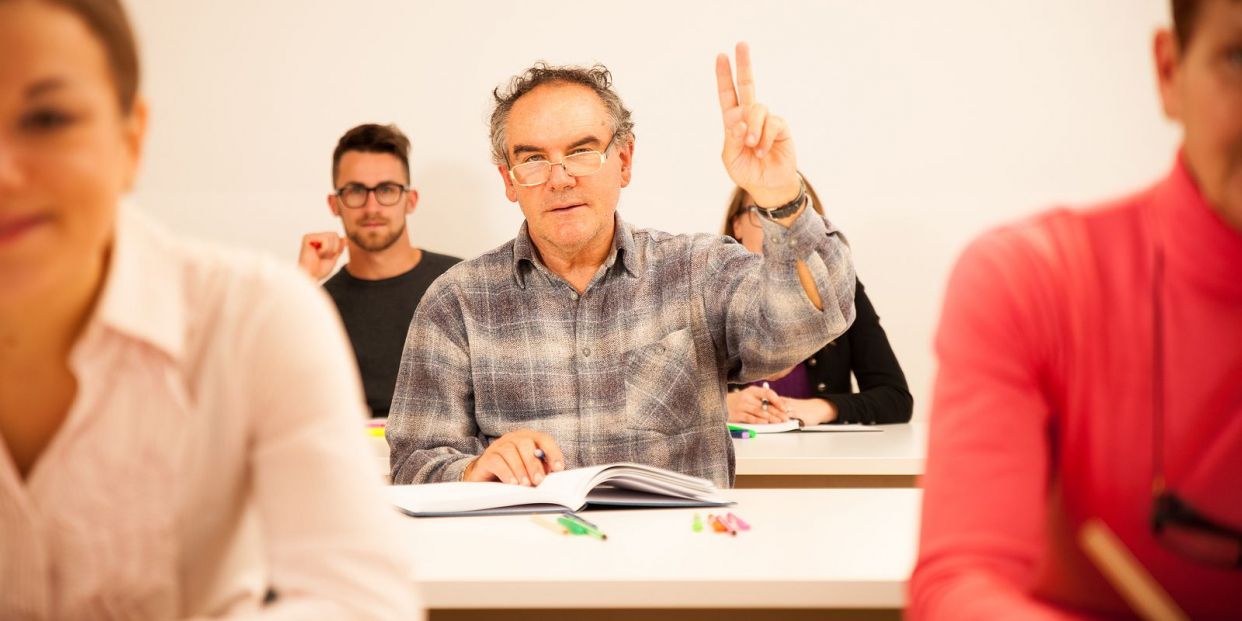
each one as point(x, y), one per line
point(987, 469)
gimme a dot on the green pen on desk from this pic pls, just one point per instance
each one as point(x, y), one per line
point(576, 527)
point(592, 528)
point(570, 525)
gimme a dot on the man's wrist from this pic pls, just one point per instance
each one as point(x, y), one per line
point(768, 200)
point(465, 472)
point(784, 211)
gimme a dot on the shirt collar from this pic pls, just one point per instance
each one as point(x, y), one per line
point(623, 246)
point(1196, 239)
point(143, 296)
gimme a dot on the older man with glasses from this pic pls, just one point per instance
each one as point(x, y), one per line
point(585, 341)
point(377, 291)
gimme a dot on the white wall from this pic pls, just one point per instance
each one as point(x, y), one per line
point(921, 123)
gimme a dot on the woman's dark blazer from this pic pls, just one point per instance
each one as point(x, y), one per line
point(883, 395)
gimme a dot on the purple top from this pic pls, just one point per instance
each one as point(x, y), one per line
point(795, 385)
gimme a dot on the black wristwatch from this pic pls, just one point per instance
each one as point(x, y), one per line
point(788, 209)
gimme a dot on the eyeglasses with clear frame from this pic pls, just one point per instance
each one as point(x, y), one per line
point(354, 195)
point(576, 164)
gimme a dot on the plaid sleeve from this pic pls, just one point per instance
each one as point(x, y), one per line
point(431, 425)
point(765, 321)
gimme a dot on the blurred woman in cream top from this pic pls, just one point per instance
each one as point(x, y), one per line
point(181, 426)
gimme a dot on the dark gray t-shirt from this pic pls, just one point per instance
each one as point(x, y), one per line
point(377, 316)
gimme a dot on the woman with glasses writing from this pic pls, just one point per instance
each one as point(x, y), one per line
point(1091, 374)
point(179, 428)
point(818, 390)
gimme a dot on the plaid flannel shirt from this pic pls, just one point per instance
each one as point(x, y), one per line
point(633, 369)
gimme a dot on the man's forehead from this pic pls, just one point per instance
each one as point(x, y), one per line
point(366, 160)
point(1226, 15)
point(557, 114)
point(368, 166)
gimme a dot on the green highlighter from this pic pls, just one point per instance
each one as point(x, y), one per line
point(576, 527)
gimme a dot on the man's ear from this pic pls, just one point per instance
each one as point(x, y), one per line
point(333, 206)
point(411, 200)
point(510, 189)
point(626, 155)
point(1168, 59)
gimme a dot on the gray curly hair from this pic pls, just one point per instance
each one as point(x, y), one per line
point(596, 77)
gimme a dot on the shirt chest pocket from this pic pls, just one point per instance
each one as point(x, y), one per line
point(660, 390)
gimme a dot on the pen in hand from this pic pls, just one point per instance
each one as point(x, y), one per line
point(543, 458)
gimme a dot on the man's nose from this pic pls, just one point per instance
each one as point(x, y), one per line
point(559, 178)
point(372, 205)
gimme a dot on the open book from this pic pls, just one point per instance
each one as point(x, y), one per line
point(792, 425)
point(622, 485)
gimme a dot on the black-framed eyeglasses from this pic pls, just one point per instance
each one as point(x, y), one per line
point(354, 195)
point(1175, 524)
point(580, 163)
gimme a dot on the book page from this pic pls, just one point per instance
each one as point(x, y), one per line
point(567, 489)
point(607, 495)
point(460, 497)
point(788, 425)
point(841, 428)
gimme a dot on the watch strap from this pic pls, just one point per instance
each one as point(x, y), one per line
point(788, 209)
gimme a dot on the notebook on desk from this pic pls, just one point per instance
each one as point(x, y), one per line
point(618, 485)
point(792, 425)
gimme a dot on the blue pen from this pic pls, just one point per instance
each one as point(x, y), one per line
point(580, 519)
point(541, 456)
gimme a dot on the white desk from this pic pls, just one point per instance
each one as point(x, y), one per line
point(811, 549)
point(893, 457)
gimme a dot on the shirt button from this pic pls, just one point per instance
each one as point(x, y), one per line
point(812, 362)
point(793, 244)
point(586, 352)
point(573, 296)
point(821, 387)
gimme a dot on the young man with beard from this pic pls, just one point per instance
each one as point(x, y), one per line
point(378, 290)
